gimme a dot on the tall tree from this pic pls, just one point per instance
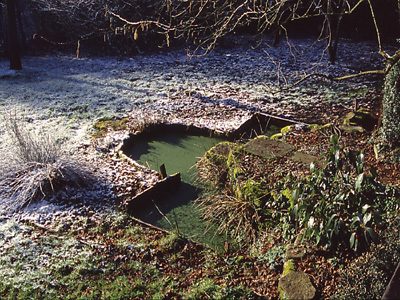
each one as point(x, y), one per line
point(13, 44)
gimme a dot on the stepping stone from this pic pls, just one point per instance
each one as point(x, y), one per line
point(267, 148)
point(307, 159)
point(297, 286)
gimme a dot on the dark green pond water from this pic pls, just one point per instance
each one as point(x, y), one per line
point(179, 153)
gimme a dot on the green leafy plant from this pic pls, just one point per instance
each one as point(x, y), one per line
point(341, 204)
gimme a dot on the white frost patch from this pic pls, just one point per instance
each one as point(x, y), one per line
point(28, 260)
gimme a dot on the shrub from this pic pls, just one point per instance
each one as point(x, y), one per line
point(341, 204)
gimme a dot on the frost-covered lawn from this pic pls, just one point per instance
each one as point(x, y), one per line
point(30, 260)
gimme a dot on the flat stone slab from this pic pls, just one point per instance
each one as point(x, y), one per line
point(267, 148)
point(297, 286)
point(307, 159)
point(295, 252)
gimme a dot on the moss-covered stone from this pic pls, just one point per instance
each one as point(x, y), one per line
point(307, 159)
point(268, 148)
point(288, 267)
point(352, 129)
point(316, 127)
point(276, 136)
point(296, 285)
point(103, 125)
point(295, 252)
point(287, 129)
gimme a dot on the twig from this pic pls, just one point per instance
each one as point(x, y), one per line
point(330, 77)
point(150, 225)
point(140, 23)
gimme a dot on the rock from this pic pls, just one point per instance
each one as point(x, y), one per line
point(287, 129)
point(267, 148)
point(288, 267)
point(352, 129)
point(295, 252)
point(297, 285)
point(276, 136)
point(360, 118)
point(307, 159)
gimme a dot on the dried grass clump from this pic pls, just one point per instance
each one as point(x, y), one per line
point(38, 167)
point(233, 200)
point(232, 214)
point(29, 146)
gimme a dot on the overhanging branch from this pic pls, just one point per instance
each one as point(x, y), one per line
point(346, 77)
point(140, 23)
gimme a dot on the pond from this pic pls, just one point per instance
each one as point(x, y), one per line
point(179, 152)
point(179, 148)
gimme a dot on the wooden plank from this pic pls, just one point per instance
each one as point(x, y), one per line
point(157, 192)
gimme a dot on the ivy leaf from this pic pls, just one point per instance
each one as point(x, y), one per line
point(295, 195)
point(365, 208)
point(330, 220)
point(355, 220)
point(312, 167)
point(318, 238)
point(339, 198)
point(337, 157)
point(311, 222)
point(360, 163)
point(376, 151)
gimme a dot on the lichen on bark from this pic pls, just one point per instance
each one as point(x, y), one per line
point(391, 107)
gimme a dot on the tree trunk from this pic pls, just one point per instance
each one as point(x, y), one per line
point(333, 19)
point(13, 45)
point(391, 107)
point(19, 6)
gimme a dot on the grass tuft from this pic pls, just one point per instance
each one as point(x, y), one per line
point(38, 167)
